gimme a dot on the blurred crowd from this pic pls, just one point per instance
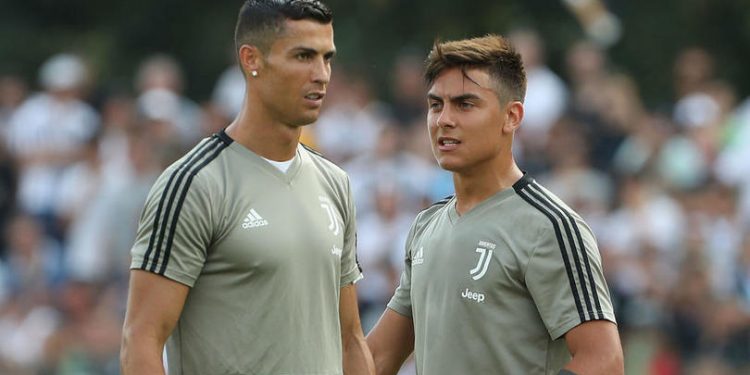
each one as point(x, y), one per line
point(664, 187)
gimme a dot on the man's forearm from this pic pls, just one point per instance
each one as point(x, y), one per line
point(357, 357)
point(137, 358)
point(595, 363)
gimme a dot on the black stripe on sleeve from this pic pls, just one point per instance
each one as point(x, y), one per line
point(312, 150)
point(584, 255)
point(356, 256)
point(181, 200)
point(574, 249)
point(175, 189)
point(198, 152)
point(523, 193)
point(441, 202)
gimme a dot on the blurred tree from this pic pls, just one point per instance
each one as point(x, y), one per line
point(116, 36)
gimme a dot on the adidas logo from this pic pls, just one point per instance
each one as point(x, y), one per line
point(418, 257)
point(253, 220)
point(336, 251)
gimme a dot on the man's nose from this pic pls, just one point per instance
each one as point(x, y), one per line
point(321, 71)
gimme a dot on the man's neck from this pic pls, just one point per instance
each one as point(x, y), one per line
point(474, 187)
point(267, 138)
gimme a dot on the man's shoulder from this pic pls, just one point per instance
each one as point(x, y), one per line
point(541, 207)
point(431, 211)
point(193, 165)
point(322, 163)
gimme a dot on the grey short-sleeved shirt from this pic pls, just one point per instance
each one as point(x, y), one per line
point(493, 291)
point(264, 252)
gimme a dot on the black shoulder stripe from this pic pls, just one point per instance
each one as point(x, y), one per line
point(224, 137)
point(438, 203)
point(522, 182)
point(197, 153)
point(193, 172)
point(162, 218)
point(356, 256)
point(312, 150)
point(442, 201)
point(524, 193)
point(584, 255)
point(574, 250)
point(170, 203)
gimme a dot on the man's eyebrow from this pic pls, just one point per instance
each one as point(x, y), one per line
point(457, 98)
point(463, 97)
point(313, 51)
point(304, 49)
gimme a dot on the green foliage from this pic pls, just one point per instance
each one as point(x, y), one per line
point(116, 36)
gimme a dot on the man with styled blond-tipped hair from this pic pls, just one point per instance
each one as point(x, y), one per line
point(503, 277)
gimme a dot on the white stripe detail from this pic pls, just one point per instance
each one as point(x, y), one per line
point(481, 259)
point(487, 261)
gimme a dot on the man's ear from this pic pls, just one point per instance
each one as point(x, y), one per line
point(513, 116)
point(250, 58)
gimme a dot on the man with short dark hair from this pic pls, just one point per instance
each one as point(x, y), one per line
point(244, 262)
point(503, 278)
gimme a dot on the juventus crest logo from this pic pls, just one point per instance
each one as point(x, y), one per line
point(485, 257)
point(333, 219)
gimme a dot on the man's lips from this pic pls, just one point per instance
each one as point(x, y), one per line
point(315, 96)
point(314, 99)
point(447, 143)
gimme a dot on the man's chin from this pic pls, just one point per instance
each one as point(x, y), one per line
point(304, 121)
point(300, 124)
point(448, 165)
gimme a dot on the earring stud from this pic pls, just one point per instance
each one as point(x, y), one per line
point(254, 73)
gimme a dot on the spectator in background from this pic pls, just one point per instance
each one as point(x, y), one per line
point(34, 260)
point(546, 99)
point(33, 274)
point(390, 162)
point(594, 92)
point(13, 92)
point(649, 223)
point(226, 99)
point(87, 339)
point(229, 92)
point(731, 166)
point(638, 154)
point(716, 219)
point(123, 203)
point(8, 181)
point(687, 157)
point(46, 134)
point(587, 190)
point(587, 68)
point(693, 69)
point(380, 240)
point(742, 274)
point(103, 227)
point(81, 187)
point(703, 122)
point(408, 89)
point(351, 121)
point(170, 115)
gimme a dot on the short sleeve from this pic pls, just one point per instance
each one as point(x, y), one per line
point(174, 231)
point(401, 300)
point(350, 270)
point(564, 277)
